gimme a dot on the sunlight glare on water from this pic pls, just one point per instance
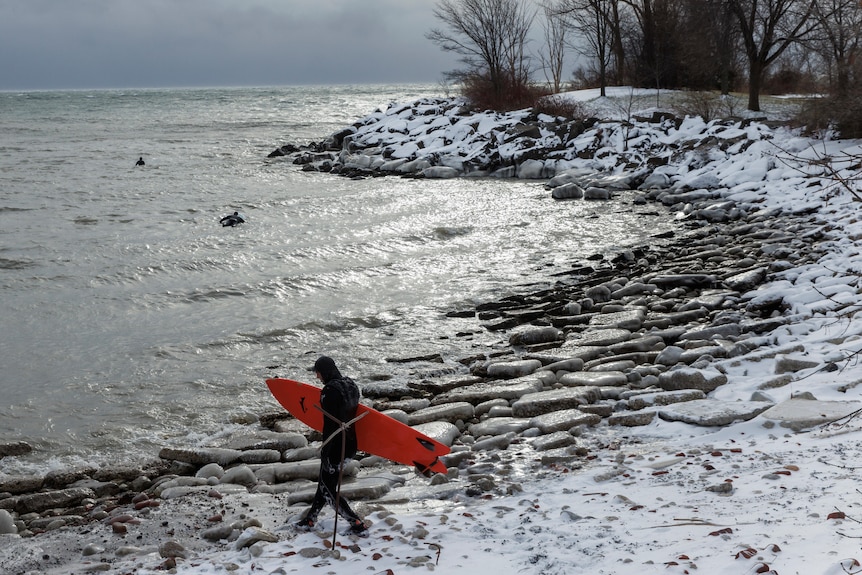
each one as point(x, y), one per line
point(137, 321)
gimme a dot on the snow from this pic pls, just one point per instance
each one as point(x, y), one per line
point(752, 497)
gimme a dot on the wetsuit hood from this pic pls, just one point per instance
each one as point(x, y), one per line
point(325, 366)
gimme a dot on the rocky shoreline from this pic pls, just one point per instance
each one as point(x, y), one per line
point(616, 344)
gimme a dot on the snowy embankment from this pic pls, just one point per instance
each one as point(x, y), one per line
point(772, 492)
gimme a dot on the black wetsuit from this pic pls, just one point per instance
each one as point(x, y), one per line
point(339, 398)
point(231, 220)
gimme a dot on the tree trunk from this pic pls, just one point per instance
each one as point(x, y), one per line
point(755, 78)
point(617, 48)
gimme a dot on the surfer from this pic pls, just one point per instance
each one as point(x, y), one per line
point(338, 400)
point(232, 220)
point(140, 162)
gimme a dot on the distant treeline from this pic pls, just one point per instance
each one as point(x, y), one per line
point(758, 46)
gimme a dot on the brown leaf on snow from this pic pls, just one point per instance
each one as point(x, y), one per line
point(762, 568)
point(774, 548)
point(724, 531)
point(836, 515)
point(747, 553)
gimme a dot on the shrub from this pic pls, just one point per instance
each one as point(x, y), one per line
point(841, 113)
point(708, 105)
point(557, 105)
point(787, 81)
point(483, 95)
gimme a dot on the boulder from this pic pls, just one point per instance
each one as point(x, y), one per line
point(201, 457)
point(689, 378)
point(569, 191)
point(664, 398)
point(266, 439)
point(14, 448)
point(746, 281)
point(628, 320)
point(450, 412)
point(442, 431)
point(475, 394)
point(712, 413)
point(38, 502)
point(543, 402)
point(554, 440)
point(595, 193)
point(20, 483)
point(499, 426)
point(594, 378)
point(632, 419)
point(440, 173)
point(799, 414)
point(600, 337)
point(535, 336)
point(513, 369)
point(563, 420)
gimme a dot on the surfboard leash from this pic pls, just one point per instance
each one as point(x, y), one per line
point(342, 428)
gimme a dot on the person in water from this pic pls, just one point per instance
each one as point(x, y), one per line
point(338, 400)
point(140, 162)
point(232, 220)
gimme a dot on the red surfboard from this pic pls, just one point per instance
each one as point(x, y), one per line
point(376, 433)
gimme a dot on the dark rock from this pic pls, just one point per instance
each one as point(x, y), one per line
point(38, 502)
point(15, 448)
point(21, 484)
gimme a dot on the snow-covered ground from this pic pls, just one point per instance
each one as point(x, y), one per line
point(753, 497)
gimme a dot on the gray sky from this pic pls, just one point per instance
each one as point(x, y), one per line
point(48, 44)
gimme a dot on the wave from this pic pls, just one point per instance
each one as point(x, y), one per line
point(7, 264)
point(449, 232)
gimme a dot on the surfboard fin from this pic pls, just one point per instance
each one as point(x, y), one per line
point(425, 470)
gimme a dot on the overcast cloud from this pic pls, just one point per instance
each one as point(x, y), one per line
point(48, 44)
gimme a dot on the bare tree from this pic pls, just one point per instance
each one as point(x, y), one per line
point(491, 37)
point(555, 29)
point(593, 21)
point(711, 57)
point(768, 28)
point(839, 40)
point(657, 47)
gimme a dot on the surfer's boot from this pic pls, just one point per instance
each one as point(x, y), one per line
point(358, 528)
point(304, 524)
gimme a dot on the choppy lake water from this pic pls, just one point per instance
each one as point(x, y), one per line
point(132, 320)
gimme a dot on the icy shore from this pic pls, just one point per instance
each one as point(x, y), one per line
point(689, 405)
